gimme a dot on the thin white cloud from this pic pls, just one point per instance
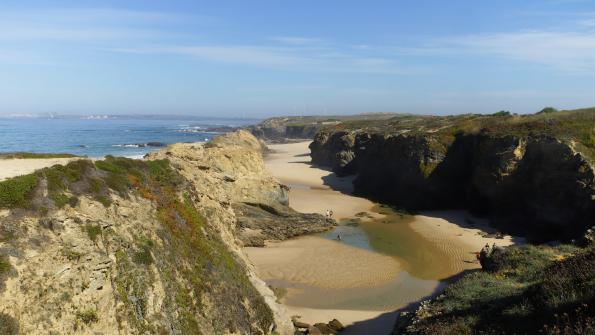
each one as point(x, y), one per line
point(19, 57)
point(568, 51)
point(240, 55)
point(89, 24)
point(21, 34)
point(294, 40)
point(86, 15)
point(284, 58)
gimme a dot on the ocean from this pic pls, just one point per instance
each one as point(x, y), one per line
point(129, 137)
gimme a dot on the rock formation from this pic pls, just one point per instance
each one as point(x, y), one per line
point(290, 128)
point(532, 175)
point(143, 247)
point(281, 129)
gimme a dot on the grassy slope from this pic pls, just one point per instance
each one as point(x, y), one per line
point(194, 262)
point(529, 290)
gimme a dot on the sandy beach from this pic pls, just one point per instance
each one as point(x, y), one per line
point(313, 190)
point(336, 258)
point(17, 167)
point(310, 266)
point(458, 230)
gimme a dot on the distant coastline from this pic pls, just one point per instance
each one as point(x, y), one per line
point(123, 135)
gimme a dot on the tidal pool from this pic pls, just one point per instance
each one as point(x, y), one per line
point(423, 266)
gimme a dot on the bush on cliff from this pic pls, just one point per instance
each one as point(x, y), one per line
point(15, 192)
point(530, 289)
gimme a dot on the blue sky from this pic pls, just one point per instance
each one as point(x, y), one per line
point(260, 58)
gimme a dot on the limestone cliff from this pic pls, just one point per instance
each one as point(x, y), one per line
point(285, 128)
point(532, 175)
point(288, 128)
point(122, 246)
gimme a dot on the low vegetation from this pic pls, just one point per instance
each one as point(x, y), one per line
point(5, 268)
point(93, 231)
point(8, 325)
point(16, 192)
point(88, 316)
point(527, 290)
point(575, 125)
point(32, 155)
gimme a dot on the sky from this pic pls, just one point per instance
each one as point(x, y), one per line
point(261, 58)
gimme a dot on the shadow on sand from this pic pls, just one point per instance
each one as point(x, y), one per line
point(468, 221)
point(384, 323)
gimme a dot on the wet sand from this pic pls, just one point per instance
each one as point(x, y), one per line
point(17, 167)
point(338, 259)
point(385, 261)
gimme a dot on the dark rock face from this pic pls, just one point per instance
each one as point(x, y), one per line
point(535, 186)
point(259, 222)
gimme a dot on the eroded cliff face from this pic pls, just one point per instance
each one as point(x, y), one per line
point(537, 186)
point(281, 129)
point(129, 247)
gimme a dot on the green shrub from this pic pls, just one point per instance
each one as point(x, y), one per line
point(5, 266)
point(104, 200)
point(71, 255)
point(15, 192)
point(143, 254)
point(548, 110)
point(60, 200)
point(88, 316)
point(92, 231)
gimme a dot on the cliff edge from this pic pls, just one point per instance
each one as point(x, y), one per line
point(123, 246)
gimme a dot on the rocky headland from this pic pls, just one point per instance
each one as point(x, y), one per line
point(121, 246)
point(295, 128)
point(531, 175)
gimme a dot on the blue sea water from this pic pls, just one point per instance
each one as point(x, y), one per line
point(100, 137)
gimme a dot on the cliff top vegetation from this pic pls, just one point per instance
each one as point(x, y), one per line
point(576, 126)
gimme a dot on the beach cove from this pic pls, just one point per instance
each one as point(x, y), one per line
point(385, 261)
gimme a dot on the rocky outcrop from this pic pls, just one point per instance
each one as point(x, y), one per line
point(280, 129)
point(538, 186)
point(143, 247)
point(260, 222)
point(231, 169)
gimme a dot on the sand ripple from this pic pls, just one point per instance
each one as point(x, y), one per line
point(323, 263)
